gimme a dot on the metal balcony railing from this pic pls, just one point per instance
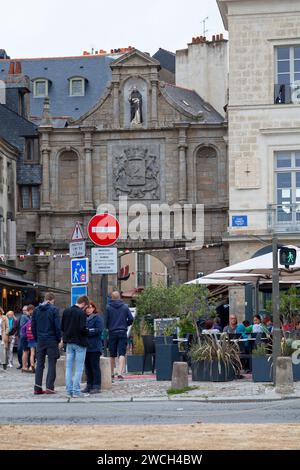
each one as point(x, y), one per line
point(284, 217)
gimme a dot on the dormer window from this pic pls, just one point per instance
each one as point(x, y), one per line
point(77, 86)
point(40, 88)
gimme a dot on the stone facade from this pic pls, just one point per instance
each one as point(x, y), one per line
point(203, 67)
point(173, 156)
point(8, 177)
point(259, 127)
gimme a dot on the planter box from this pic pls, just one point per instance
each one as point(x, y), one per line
point(205, 371)
point(262, 370)
point(135, 363)
point(163, 339)
point(165, 355)
point(296, 372)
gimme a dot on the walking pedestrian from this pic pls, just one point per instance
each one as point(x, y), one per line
point(12, 331)
point(74, 328)
point(46, 332)
point(119, 317)
point(22, 340)
point(4, 339)
point(26, 364)
point(94, 350)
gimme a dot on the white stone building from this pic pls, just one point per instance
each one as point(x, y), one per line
point(264, 127)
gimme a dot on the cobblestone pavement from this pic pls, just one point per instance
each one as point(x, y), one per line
point(15, 385)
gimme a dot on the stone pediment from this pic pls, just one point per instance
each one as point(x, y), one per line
point(135, 58)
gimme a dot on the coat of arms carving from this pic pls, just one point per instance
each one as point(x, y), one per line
point(136, 174)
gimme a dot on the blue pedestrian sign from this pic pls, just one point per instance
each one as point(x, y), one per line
point(79, 271)
point(77, 291)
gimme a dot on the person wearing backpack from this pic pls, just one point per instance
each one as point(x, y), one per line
point(26, 317)
point(31, 344)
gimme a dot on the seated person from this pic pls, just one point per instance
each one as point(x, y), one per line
point(267, 324)
point(256, 327)
point(208, 328)
point(217, 324)
point(231, 328)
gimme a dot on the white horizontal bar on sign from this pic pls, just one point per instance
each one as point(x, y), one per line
point(104, 230)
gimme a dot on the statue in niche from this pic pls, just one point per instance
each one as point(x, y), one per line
point(136, 107)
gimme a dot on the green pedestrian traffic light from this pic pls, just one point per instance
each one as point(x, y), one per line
point(287, 256)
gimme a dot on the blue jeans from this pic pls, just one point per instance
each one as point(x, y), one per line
point(75, 355)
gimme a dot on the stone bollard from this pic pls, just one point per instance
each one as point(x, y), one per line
point(60, 380)
point(180, 375)
point(106, 383)
point(284, 376)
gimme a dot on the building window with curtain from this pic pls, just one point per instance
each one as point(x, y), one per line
point(287, 87)
point(29, 197)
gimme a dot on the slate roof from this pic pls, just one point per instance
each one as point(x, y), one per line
point(94, 68)
point(189, 101)
point(166, 59)
point(13, 127)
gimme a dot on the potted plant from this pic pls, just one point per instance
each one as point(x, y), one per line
point(215, 360)
point(291, 347)
point(135, 359)
point(262, 364)
point(166, 352)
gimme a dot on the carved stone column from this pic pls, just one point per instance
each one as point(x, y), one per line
point(116, 104)
point(182, 146)
point(45, 202)
point(88, 183)
point(42, 264)
point(154, 85)
point(182, 265)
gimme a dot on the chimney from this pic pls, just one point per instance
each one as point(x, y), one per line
point(218, 37)
point(214, 38)
point(18, 68)
point(11, 70)
point(221, 37)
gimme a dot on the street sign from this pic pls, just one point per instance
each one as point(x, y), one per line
point(239, 221)
point(77, 249)
point(77, 234)
point(77, 291)
point(104, 260)
point(104, 229)
point(79, 271)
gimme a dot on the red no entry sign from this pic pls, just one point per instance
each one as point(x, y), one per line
point(104, 229)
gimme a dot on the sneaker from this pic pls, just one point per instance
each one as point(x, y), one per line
point(81, 395)
point(19, 367)
point(120, 377)
point(86, 390)
point(49, 392)
point(39, 392)
point(94, 391)
point(10, 365)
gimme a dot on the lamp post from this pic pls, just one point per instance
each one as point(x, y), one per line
point(275, 302)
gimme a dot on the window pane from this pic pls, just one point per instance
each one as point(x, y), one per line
point(297, 155)
point(284, 181)
point(283, 66)
point(25, 197)
point(40, 88)
point(283, 53)
point(35, 197)
point(297, 52)
point(284, 160)
point(297, 65)
point(77, 87)
point(297, 77)
point(283, 79)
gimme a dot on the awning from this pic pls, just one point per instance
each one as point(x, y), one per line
point(18, 282)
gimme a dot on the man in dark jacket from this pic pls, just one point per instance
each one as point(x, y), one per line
point(74, 328)
point(45, 328)
point(119, 317)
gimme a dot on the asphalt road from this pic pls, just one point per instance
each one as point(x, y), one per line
point(287, 411)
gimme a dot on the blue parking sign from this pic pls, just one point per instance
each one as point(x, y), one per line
point(79, 271)
point(77, 291)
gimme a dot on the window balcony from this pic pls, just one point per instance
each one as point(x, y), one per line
point(284, 217)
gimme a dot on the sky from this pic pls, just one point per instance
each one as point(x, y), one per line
point(49, 28)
